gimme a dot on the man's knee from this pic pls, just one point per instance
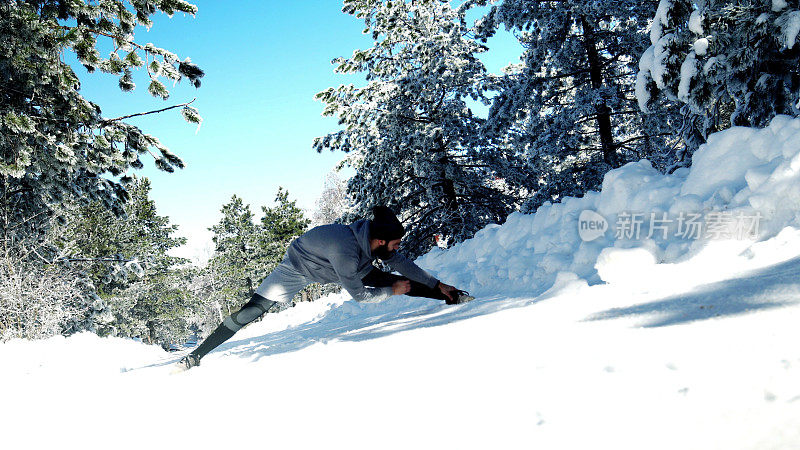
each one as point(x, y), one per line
point(252, 310)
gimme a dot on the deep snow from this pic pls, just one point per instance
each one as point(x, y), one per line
point(662, 342)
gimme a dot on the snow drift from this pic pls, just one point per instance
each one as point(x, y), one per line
point(741, 174)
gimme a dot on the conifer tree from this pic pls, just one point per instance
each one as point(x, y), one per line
point(570, 103)
point(140, 239)
point(139, 289)
point(730, 63)
point(415, 143)
point(55, 145)
point(280, 225)
point(238, 251)
point(156, 289)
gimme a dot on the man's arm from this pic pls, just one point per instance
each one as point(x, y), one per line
point(410, 270)
point(345, 268)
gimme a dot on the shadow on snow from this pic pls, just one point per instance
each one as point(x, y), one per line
point(762, 289)
point(352, 321)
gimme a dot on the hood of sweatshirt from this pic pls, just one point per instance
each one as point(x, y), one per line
point(361, 232)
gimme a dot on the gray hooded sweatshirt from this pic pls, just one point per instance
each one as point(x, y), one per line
point(341, 254)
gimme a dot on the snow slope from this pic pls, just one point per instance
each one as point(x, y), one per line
point(666, 342)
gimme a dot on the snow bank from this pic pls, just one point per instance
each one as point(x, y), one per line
point(743, 186)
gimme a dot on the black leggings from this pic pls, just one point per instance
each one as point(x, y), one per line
point(379, 278)
point(250, 311)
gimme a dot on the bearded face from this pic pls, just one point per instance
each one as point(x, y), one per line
point(382, 252)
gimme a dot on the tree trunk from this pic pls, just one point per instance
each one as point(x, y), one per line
point(602, 110)
point(448, 186)
point(151, 332)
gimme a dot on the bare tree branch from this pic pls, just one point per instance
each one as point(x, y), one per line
point(107, 121)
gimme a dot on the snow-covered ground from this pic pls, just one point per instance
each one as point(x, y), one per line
point(677, 340)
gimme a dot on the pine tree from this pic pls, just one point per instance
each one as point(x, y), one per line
point(731, 63)
point(415, 143)
point(281, 224)
point(570, 103)
point(237, 255)
point(140, 289)
point(137, 241)
point(160, 303)
point(55, 145)
point(157, 307)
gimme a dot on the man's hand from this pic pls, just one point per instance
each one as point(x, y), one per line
point(401, 287)
point(446, 290)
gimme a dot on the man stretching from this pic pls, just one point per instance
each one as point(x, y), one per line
point(342, 254)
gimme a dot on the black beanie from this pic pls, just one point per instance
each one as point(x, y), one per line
point(385, 225)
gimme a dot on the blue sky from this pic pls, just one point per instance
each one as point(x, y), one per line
point(264, 61)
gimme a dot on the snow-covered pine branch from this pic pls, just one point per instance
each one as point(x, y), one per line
point(57, 145)
point(729, 63)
